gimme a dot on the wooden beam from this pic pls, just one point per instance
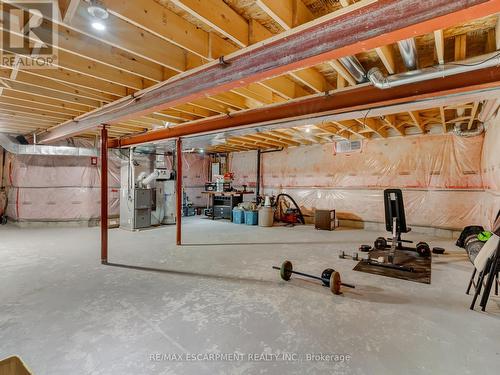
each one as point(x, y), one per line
point(415, 117)
point(280, 11)
point(219, 16)
point(443, 119)
point(473, 115)
point(77, 64)
point(374, 125)
point(339, 68)
point(497, 31)
point(70, 11)
point(390, 120)
point(386, 55)
point(43, 94)
point(66, 88)
point(311, 78)
point(44, 100)
point(130, 38)
point(107, 90)
point(158, 20)
point(439, 42)
point(338, 34)
point(460, 47)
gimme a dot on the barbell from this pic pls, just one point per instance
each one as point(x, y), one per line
point(329, 277)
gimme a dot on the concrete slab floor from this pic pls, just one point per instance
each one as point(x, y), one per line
point(65, 313)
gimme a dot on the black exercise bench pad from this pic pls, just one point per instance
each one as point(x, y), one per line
point(422, 266)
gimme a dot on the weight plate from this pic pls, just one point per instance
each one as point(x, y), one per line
point(286, 270)
point(423, 249)
point(326, 276)
point(335, 283)
point(380, 243)
point(438, 250)
point(365, 248)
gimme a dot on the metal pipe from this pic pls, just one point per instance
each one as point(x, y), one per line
point(380, 81)
point(179, 191)
point(408, 50)
point(457, 130)
point(14, 147)
point(104, 195)
point(352, 64)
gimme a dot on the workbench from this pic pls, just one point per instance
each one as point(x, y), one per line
point(223, 202)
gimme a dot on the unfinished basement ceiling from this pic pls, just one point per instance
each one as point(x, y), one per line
point(96, 68)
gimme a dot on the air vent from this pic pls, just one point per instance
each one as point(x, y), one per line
point(348, 146)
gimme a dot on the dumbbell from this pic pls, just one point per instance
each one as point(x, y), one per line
point(343, 255)
point(329, 277)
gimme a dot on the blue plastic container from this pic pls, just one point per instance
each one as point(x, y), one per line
point(251, 217)
point(238, 216)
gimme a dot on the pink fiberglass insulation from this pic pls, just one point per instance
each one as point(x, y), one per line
point(58, 188)
point(490, 168)
point(440, 175)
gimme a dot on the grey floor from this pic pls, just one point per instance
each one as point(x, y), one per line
point(65, 313)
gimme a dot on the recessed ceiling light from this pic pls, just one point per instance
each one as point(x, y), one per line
point(97, 10)
point(98, 26)
point(308, 130)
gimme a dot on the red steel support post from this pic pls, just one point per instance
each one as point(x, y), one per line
point(179, 194)
point(104, 194)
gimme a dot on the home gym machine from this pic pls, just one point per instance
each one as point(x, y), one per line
point(395, 222)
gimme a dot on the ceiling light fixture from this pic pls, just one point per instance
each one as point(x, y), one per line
point(99, 26)
point(99, 13)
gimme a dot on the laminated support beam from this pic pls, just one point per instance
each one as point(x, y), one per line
point(365, 25)
point(360, 98)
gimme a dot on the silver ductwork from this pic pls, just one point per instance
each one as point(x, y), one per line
point(457, 130)
point(14, 147)
point(379, 80)
point(408, 51)
point(354, 67)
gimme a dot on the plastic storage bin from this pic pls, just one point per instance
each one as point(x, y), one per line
point(238, 216)
point(251, 217)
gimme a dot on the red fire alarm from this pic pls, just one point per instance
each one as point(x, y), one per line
point(93, 160)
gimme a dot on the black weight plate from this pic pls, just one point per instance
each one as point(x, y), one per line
point(380, 243)
point(286, 270)
point(423, 249)
point(365, 248)
point(325, 275)
point(438, 250)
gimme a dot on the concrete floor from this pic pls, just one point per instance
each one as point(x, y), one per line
point(64, 313)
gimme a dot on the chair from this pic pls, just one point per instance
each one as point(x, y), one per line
point(487, 269)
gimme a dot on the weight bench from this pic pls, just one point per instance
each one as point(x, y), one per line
point(395, 222)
